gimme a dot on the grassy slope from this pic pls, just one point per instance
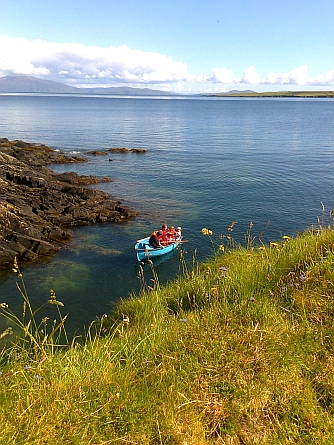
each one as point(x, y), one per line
point(239, 351)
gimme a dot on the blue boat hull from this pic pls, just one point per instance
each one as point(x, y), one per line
point(145, 251)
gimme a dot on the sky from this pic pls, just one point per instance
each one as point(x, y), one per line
point(172, 45)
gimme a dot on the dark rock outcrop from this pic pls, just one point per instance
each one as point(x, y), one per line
point(37, 205)
point(97, 153)
point(128, 150)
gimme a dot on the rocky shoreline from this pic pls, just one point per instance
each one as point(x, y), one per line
point(37, 206)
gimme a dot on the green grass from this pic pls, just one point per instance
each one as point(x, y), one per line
point(237, 351)
point(329, 94)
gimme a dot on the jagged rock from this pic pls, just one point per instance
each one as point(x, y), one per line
point(74, 178)
point(37, 205)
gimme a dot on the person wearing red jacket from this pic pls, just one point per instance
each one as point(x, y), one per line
point(171, 234)
point(164, 239)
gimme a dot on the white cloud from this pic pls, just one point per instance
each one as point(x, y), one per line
point(250, 76)
point(297, 76)
point(222, 75)
point(16, 57)
point(82, 65)
point(324, 79)
point(75, 62)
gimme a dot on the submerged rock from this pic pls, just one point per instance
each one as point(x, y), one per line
point(128, 150)
point(37, 206)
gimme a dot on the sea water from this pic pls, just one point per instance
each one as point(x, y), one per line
point(208, 162)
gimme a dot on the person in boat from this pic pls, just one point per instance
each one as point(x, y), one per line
point(164, 236)
point(178, 233)
point(154, 240)
point(171, 234)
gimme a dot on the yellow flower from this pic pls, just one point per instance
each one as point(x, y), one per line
point(273, 244)
point(285, 237)
point(262, 248)
point(206, 231)
point(222, 248)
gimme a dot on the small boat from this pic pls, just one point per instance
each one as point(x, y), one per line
point(144, 250)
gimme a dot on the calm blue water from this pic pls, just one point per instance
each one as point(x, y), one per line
point(208, 162)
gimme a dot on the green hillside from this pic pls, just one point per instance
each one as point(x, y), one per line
point(276, 94)
point(238, 351)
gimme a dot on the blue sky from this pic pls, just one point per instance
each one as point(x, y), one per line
point(186, 46)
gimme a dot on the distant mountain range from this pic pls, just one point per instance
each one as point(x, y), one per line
point(32, 85)
point(29, 84)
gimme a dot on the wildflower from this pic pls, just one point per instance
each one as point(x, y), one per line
point(230, 228)
point(222, 248)
point(3, 305)
point(252, 299)
point(223, 275)
point(184, 320)
point(272, 244)
point(38, 377)
point(214, 288)
point(286, 237)
point(207, 232)
point(302, 277)
point(262, 248)
point(28, 368)
point(223, 268)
